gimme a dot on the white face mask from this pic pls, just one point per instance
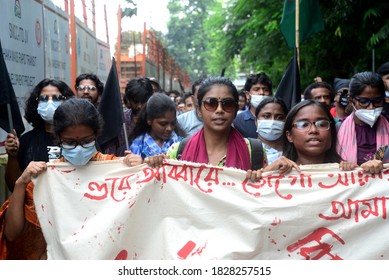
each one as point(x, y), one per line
point(369, 117)
point(387, 93)
point(79, 155)
point(46, 110)
point(270, 130)
point(256, 99)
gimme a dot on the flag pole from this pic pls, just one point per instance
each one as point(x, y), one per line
point(11, 123)
point(297, 26)
point(126, 136)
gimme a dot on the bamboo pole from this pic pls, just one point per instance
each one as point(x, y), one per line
point(106, 23)
point(84, 12)
point(94, 16)
point(119, 43)
point(143, 73)
point(297, 25)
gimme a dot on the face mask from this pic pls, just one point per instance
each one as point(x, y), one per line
point(270, 130)
point(46, 110)
point(79, 155)
point(256, 99)
point(368, 116)
point(387, 93)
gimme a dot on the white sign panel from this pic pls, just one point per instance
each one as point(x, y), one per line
point(22, 39)
point(86, 49)
point(57, 43)
point(104, 60)
point(106, 210)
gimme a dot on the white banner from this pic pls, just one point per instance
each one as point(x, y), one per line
point(106, 210)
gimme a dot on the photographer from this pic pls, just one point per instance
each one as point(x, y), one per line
point(342, 108)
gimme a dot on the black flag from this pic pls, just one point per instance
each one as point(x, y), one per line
point(111, 110)
point(10, 117)
point(289, 87)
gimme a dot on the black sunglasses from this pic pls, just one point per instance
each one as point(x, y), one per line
point(45, 98)
point(90, 88)
point(365, 102)
point(228, 104)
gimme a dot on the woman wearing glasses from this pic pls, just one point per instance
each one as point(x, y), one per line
point(39, 144)
point(310, 134)
point(310, 138)
point(77, 123)
point(218, 143)
point(366, 129)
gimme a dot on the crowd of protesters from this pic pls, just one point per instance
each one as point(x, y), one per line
point(344, 121)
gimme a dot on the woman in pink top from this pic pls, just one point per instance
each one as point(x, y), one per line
point(366, 129)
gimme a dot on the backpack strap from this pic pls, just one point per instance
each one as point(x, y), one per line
point(181, 147)
point(256, 153)
point(385, 158)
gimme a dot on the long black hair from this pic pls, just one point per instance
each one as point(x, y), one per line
point(361, 80)
point(31, 111)
point(155, 108)
point(271, 99)
point(207, 84)
point(77, 111)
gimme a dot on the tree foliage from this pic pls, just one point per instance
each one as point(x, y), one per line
point(207, 36)
point(130, 11)
point(187, 39)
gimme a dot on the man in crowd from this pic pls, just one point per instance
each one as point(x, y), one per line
point(320, 91)
point(89, 86)
point(257, 87)
point(189, 122)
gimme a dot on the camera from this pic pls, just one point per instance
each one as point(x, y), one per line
point(343, 94)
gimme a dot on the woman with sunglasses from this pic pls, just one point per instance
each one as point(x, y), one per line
point(218, 143)
point(77, 124)
point(38, 144)
point(366, 129)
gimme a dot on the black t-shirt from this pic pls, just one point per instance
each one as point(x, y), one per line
point(37, 145)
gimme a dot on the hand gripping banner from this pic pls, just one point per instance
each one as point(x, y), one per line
point(106, 210)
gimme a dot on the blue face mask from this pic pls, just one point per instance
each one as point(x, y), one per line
point(46, 110)
point(79, 155)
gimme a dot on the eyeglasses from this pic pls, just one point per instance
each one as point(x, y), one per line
point(70, 144)
point(306, 125)
point(365, 102)
point(90, 88)
point(45, 98)
point(229, 105)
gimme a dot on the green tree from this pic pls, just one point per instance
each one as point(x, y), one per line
point(186, 39)
point(131, 10)
point(244, 36)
